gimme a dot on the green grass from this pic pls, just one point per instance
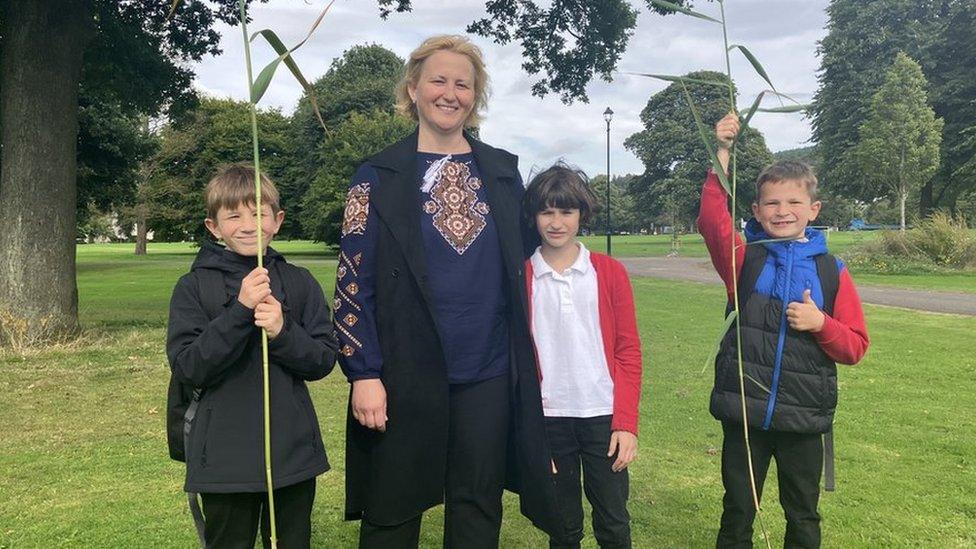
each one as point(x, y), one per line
point(85, 462)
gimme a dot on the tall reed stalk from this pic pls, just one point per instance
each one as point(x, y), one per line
point(265, 366)
point(256, 88)
point(730, 183)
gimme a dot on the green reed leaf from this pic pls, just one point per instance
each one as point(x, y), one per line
point(754, 62)
point(760, 385)
point(787, 108)
point(706, 139)
point(718, 344)
point(263, 80)
point(681, 9)
point(685, 79)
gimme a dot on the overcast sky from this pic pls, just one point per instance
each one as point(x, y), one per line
point(783, 34)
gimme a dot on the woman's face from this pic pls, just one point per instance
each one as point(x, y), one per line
point(444, 92)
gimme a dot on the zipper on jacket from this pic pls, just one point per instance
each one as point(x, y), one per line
point(784, 301)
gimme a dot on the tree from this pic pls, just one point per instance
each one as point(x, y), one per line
point(570, 42)
point(622, 215)
point(953, 97)
point(354, 139)
point(216, 133)
point(860, 32)
point(675, 160)
point(899, 143)
point(363, 80)
point(112, 145)
point(44, 48)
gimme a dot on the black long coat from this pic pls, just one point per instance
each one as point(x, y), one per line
point(394, 476)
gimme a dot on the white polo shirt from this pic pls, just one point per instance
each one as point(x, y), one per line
point(566, 327)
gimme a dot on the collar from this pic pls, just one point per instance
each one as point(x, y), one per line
point(582, 265)
point(402, 157)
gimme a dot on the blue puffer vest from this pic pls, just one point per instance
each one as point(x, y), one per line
point(790, 383)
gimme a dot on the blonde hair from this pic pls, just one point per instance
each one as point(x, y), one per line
point(234, 185)
point(415, 64)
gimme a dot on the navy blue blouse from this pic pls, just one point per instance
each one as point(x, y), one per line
point(465, 275)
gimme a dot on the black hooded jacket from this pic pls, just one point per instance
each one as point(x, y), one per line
point(222, 356)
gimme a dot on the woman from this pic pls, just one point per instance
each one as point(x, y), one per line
point(430, 313)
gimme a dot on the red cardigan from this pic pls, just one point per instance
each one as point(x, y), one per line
point(621, 343)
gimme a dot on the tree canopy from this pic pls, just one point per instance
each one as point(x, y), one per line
point(898, 148)
point(566, 44)
point(939, 35)
point(675, 159)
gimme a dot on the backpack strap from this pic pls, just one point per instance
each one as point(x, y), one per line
point(829, 275)
point(213, 297)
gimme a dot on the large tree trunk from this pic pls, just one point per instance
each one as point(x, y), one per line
point(141, 231)
point(40, 67)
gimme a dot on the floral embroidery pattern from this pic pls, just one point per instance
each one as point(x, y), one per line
point(457, 213)
point(357, 210)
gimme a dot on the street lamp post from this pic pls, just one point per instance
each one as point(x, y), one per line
point(608, 116)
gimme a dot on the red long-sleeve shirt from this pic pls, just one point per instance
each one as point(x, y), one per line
point(844, 336)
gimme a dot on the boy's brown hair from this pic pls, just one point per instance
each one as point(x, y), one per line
point(560, 186)
point(234, 185)
point(788, 170)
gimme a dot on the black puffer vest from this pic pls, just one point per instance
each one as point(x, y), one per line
point(804, 399)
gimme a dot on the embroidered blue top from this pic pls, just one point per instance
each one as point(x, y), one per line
point(465, 275)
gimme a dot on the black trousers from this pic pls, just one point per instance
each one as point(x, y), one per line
point(799, 463)
point(476, 448)
point(232, 519)
point(582, 443)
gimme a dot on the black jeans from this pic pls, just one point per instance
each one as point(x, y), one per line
point(799, 463)
point(577, 442)
point(476, 448)
point(232, 519)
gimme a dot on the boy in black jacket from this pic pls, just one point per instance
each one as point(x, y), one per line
point(217, 353)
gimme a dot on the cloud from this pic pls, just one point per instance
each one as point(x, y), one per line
point(782, 34)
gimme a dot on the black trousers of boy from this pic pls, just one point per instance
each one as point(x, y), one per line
point(799, 463)
point(476, 450)
point(577, 442)
point(232, 519)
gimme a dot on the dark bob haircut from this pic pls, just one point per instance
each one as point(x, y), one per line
point(560, 186)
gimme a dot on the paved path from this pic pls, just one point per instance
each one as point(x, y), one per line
point(696, 269)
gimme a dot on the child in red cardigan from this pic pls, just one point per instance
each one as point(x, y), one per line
point(585, 332)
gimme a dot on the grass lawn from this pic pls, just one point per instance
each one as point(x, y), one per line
point(85, 464)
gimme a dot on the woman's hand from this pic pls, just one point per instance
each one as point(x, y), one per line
point(369, 403)
point(624, 444)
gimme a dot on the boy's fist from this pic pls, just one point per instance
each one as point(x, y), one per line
point(254, 288)
point(805, 316)
point(268, 315)
point(726, 129)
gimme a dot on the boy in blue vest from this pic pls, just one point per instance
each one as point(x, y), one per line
point(799, 314)
point(214, 347)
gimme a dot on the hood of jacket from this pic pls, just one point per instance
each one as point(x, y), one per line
point(812, 244)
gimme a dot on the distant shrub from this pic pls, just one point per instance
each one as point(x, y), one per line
point(938, 243)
